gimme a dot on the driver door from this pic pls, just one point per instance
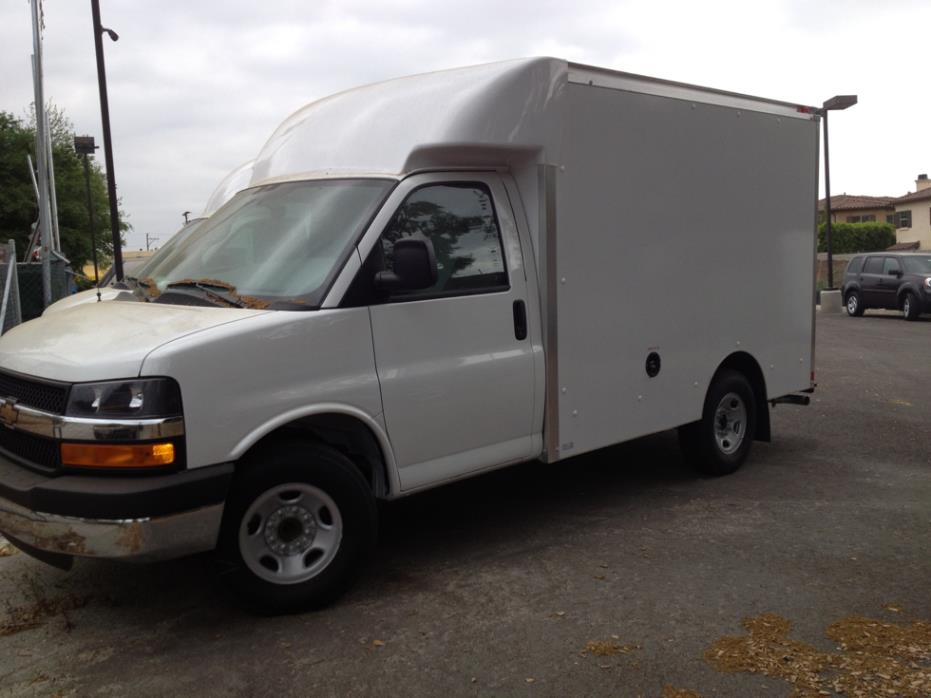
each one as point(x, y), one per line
point(454, 361)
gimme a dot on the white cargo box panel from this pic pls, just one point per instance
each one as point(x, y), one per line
point(685, 227)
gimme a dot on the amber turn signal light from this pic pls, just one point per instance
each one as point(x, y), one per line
point(86, 455)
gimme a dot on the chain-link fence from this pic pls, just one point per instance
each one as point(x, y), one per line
point(30, 286)
point(21, 287)
point(10, 311)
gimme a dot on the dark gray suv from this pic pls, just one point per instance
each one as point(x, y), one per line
point(890, 280)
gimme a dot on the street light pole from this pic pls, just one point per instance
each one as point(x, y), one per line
point(827, 202)
point(107, 141)
point(836, 103)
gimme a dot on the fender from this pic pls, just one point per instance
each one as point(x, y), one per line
point(285, 418)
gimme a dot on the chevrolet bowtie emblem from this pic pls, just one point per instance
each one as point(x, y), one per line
point(8, 412)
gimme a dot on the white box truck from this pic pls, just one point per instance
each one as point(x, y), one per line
point(425, 279)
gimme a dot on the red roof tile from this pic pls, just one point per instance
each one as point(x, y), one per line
point(844, 202)
point(904, 247)
point(914, 196)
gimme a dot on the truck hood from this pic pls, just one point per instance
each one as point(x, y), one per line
point(107, 293)
point(102, 341)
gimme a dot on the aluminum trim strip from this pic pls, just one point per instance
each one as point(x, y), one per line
point(547, 177)
point(631, 82)
point(53, 426)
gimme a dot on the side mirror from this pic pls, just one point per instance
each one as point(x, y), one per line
point(414, 267)
point(896, 272)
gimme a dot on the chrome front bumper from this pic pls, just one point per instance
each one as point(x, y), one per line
point(132, 540)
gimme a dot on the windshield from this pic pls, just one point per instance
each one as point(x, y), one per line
point(918, 265)
point(164, 251)
point(273, 246)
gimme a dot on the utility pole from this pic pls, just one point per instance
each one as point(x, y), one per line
point(148, 240)
point(45, 213)
point(107, 141)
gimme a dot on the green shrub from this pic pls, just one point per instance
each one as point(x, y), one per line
point(857, 237)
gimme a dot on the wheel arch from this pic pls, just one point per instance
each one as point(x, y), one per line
point(745, 364)
point(906, 288)
point(348, 429)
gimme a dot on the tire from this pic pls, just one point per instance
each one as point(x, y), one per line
point(298, 526)
point(731, 405)
point(911, 306)
point(854, 304)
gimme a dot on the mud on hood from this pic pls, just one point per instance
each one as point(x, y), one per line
point(101, 341)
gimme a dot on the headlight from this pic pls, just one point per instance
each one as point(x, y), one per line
point(928, 282)
point(141, 398)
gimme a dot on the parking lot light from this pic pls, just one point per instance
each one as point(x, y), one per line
point(836, 103)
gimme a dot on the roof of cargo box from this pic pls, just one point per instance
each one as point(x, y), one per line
point(480, 115)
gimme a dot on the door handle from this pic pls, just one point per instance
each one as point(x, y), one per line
point(520, 320)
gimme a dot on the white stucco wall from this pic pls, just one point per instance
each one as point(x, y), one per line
point(921, 223)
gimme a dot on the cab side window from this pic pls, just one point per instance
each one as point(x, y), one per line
point(460, 221)
point(874, 265)
point(890, 265)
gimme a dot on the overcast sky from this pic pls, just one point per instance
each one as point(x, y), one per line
point(196, 87)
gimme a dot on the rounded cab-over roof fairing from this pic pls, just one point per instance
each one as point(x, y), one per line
point(229, 186)
point(479, 115)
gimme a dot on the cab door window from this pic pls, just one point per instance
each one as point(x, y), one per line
point(874, 265)
point(459, 220)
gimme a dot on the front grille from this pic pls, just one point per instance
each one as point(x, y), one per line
point(35, 450)
point(48, 396)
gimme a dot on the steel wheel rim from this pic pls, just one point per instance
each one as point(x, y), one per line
point(730, 423)
point(852, 305)
point(908, 305)
point(290, 533)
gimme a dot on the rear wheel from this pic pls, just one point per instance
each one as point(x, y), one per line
point(299, 524)
point(719, 443)
point(854, 304)
point(911, 306)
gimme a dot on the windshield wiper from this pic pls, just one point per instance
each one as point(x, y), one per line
point(206, 286)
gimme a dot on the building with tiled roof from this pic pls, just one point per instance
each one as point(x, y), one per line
point(846, 208)
point(913, 215)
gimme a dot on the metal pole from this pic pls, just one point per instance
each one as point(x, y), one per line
point(107, 142)
point(53, 196)
point(827, 203)
point(90, 215)
point(45, 216)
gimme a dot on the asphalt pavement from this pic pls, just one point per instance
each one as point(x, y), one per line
point(617, 573)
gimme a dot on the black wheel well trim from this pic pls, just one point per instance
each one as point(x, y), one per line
point(347, 434)
point(745, 364)
point(907, 288)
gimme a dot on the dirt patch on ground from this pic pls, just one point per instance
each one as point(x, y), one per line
point(38, 609)
point(874, 657)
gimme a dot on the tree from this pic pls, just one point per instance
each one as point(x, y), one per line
point(18, 207)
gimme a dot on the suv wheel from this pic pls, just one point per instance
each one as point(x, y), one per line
point(911, 306)
point(854, 305)
point(719, 443)
point(299, 523)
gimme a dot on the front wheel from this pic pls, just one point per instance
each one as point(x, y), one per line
point(911, 306)
point(719, 443)
point(854, 304)
point(300, 523)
